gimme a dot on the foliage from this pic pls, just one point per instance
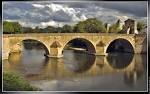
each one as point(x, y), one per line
point(13, 82)
point(115, 28)
point(91, 25)
point(11, 27)
point(49, 29)
point(67, 28)
point(27, 30)
point(58, 30)
point(140, 26)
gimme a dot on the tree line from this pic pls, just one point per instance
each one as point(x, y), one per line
point(91, 25)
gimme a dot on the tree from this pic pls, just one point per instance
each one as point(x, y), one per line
point(91, 25)
point(115, 28)
point(58, 30)
point(37, 30)
point(7, 27)
point(27, 30)
point(67, 29)
point(140, 26)
point(11, 27)
point(49, 29)
point(17, 27)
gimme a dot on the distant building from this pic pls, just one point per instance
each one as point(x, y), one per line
point(130, 27)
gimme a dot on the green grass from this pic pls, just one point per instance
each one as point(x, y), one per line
point(13, 82)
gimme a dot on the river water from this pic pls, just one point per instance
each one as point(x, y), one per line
point(77, 71)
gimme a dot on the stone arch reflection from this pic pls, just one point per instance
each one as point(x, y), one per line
point(119, 60)
point(78, 62)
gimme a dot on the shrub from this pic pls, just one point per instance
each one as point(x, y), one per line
point(13, 82)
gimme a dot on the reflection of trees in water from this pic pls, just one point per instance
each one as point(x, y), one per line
point(144, 60)
point(81, 62)
point(119, 60)
point(131, 76)
point(144, 48)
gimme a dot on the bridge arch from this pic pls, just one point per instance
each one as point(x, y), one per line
point(81, 43)
point(18, 46)
point(120, 45)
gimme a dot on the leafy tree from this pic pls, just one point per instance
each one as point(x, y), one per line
point(27, 30)
point(11, 27)
point(91, 25)
point(37, 30)
point(58, 30)
point(49, 29)
point(115, 28)
point(140, 26)
point(17, 27)
point(67, 29)
point(7, 27)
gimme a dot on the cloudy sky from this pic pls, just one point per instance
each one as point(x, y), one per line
point(44, 13)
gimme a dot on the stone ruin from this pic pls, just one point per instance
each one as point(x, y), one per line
point(129, 26)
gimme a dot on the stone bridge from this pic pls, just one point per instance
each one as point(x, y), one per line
point(97, 43)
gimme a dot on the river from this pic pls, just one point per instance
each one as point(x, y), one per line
point(77, 71)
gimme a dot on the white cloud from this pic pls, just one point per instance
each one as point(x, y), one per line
point(83, 17)
point(123, 18)
point(55, 7)
point(38, 5)
point(48, 13)
point(49, 23)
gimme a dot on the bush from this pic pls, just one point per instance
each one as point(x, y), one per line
point(141, 26)
point(13, 82)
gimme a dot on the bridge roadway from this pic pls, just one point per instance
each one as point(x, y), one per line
point(97, 43)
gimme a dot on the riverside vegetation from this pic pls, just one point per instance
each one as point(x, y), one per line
point(14, 82)
point(91, 25)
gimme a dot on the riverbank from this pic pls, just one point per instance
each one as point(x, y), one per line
point(14, 82)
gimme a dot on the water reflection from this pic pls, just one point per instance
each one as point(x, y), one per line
point(131, 77)
point(119, 60)
point(100, 61)
point(14, 57)
point(78, 62)
point(136, 72)
point(35, 67)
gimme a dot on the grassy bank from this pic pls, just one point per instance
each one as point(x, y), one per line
point(13, 82)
